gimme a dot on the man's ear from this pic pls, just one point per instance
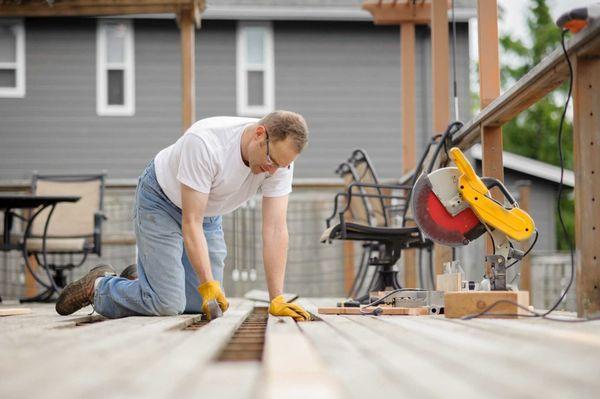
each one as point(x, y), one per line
point(260, 131)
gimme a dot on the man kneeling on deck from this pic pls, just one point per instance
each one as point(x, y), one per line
point(215, 167)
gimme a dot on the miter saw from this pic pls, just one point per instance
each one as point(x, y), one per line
point(453, 206)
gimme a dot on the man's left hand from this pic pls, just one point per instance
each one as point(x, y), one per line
point(279, 307)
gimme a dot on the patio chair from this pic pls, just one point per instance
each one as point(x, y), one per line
point(75, 229)
point(371, 212)
point(378, 230)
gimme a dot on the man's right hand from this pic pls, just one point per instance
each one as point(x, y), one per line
point(211, 290)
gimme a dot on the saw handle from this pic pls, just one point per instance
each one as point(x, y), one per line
point(491, 182)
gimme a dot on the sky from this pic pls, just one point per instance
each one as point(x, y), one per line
point(515, 12)
point(515, 22)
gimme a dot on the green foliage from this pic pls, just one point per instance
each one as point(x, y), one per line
point(534, 133)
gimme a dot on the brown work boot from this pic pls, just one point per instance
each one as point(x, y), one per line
point(80, 293)
point(130, 272)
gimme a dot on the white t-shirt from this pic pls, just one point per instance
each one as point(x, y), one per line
point(208, 159)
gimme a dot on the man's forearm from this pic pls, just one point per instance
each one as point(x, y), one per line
point(197, 250)
point(275, 245)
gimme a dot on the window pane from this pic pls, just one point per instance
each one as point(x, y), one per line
point(255, 88)
point(255, 42)
point(115, 42)
point(116, 87)
point(8, 78)
point(8, 44)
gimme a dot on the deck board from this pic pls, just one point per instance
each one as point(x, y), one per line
point(337, 356)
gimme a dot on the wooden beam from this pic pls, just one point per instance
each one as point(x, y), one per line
point(188, 68)
point(31, 286)
point(524, 194)
point(489, 86)
point(349, 265)
point(440, 62)
point(407, 60)
point(394, 13)
point(586, 143)
point(441, 94)
point(385, 310)
point(68, 8)
point(489, 89)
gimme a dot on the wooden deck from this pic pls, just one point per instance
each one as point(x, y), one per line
point(46, 355)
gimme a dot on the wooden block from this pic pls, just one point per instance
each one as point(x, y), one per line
point(14, 311)
point(387, 310)
point(460, 304)
point(448, 282)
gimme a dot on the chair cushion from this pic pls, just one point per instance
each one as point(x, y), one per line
point(57, 245)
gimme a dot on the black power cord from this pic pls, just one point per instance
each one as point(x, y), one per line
point(560, 217)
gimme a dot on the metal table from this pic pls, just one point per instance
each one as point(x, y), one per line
point(37, 203)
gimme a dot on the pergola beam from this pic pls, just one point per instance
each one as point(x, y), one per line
point(187, 13)
point(81, 8)
point(394, 13)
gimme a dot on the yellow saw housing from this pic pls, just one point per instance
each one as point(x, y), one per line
point(514, 222)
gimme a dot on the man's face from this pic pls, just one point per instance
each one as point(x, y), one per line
point(270, 155)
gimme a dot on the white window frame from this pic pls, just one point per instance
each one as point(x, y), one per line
point(102, 66)
point(268, 69)
point(19, 65)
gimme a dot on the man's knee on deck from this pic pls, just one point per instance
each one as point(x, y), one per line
point(166, 304)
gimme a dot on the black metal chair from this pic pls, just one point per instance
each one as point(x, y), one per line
point(75, 229)
point(384, 229)
point(371, 216)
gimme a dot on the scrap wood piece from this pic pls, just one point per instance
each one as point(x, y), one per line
point(386, 310)
point(14, 311)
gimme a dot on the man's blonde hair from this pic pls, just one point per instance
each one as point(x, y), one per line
point(283, 124)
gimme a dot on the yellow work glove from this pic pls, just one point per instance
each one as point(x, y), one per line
point(279, 307)
point(211, 290)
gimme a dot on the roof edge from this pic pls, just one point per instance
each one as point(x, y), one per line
point(530, 166)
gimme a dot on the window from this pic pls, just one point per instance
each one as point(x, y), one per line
point(255, 75)
point(115, 93)
point(12, 58)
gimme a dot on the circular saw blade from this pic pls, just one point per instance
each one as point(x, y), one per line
point(436, 222)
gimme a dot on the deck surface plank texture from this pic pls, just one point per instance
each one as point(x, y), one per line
point(337, 356)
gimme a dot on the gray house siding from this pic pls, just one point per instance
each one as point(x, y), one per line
point(55, 127)
point(343, 76)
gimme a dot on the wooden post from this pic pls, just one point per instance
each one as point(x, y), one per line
point(188, 65)
point(586, 143)
point(525, 281)
point(349, 265)
point(489, 89)
point(407, 52)
point(31, 286)
point(441, 93)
